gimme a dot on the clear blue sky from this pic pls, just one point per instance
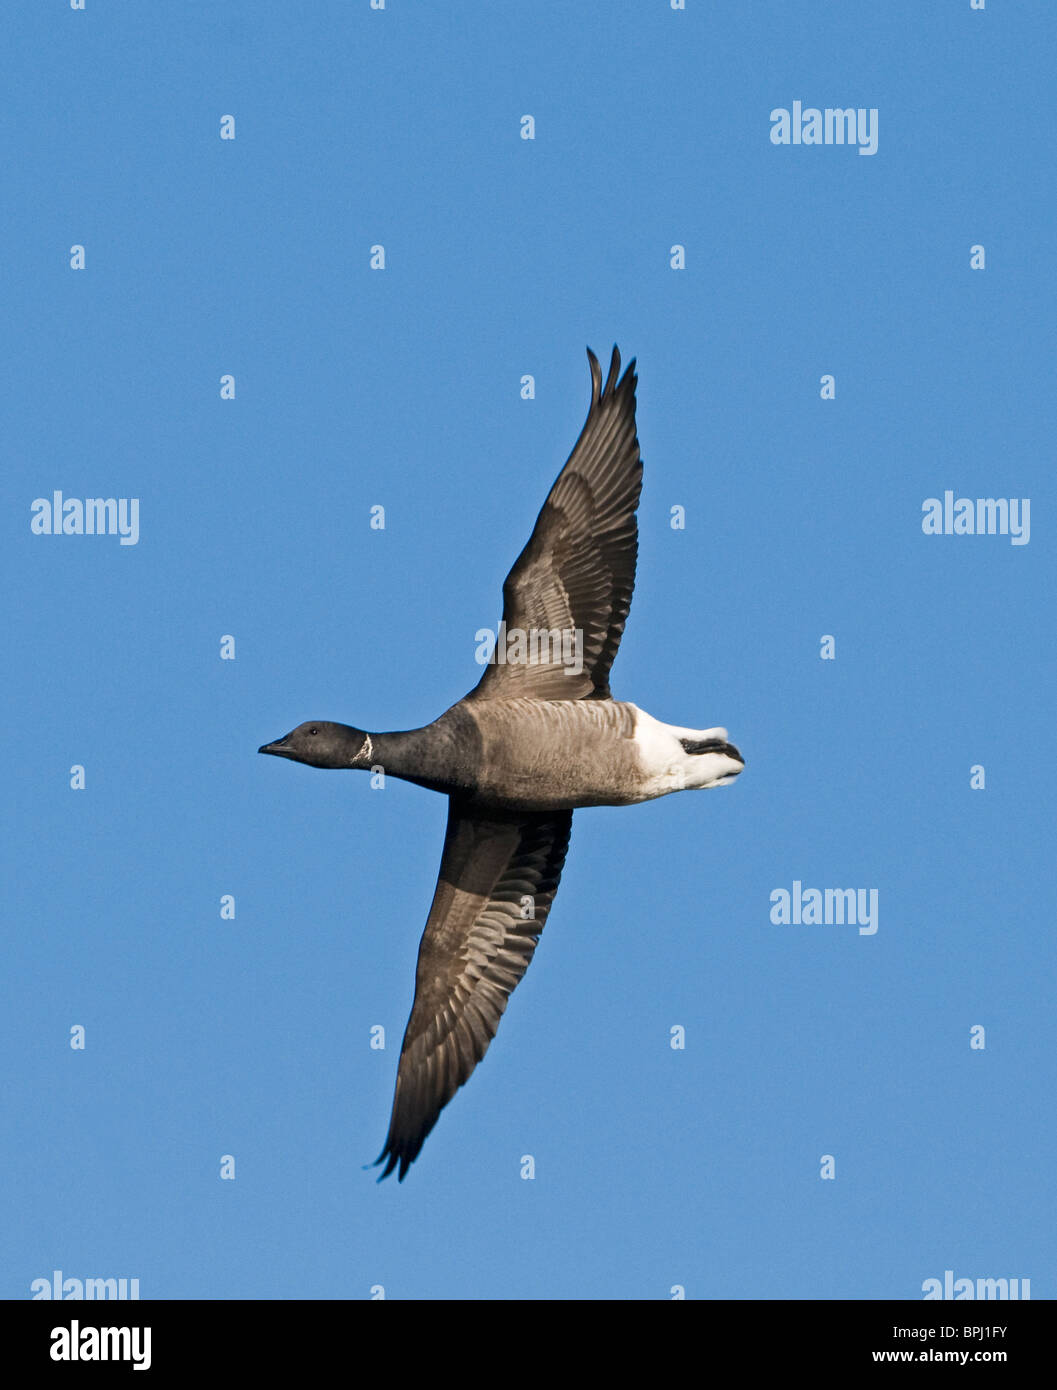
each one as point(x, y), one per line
point(357, 387)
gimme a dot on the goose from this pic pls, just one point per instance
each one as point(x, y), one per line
point(539, 737)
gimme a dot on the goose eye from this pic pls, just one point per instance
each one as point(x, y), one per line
point(313, 731)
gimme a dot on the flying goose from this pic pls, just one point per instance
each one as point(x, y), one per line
point(539, 736)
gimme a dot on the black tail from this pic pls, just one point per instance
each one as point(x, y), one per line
point(711, 745)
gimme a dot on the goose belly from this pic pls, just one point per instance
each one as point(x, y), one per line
point(558, 755)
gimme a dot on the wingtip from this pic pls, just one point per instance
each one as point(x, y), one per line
point(396, 1161)
point(385, 1154)
point(614, 371)
point(614, 381)
point(613, 377)
point(596, 377)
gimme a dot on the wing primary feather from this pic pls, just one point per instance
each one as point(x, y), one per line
point(596, 378)
point(614, 370)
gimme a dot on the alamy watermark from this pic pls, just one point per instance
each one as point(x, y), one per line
point(95, 516)
point(950, 1287)
point(59, 1288)
point(77, 1343)
point(539, 646)
point(831, 125)
point(979, 516)
point(828, 907)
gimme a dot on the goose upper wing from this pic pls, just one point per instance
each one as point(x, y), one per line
point(577, 571)
point(476, 946)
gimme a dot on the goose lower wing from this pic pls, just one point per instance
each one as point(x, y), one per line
point(498, 878)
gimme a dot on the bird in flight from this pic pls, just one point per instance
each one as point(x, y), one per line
point(538, 737)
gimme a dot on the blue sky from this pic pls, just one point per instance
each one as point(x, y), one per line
point(655, 1168)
